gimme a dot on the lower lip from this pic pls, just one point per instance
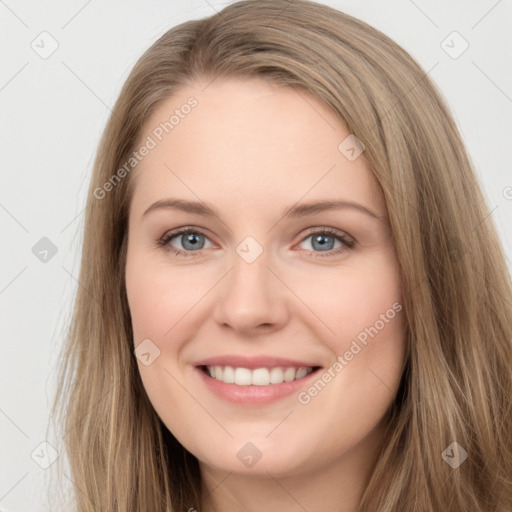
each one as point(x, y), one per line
point(252, 394)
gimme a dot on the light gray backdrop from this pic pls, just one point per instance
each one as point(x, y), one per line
point(62, 67)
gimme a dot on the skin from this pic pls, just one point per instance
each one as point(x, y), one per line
point(252, 149)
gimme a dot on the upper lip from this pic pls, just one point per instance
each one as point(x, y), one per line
point(254, 362)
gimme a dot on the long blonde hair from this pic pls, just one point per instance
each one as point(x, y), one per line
point(457, 383)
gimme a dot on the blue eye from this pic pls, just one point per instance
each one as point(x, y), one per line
point(323, 241)
point(191, 240)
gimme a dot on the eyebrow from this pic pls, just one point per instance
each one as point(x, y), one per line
point(297, 210)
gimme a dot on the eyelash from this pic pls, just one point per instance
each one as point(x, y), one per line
point(348, 243)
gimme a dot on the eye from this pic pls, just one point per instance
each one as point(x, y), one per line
point(324, 240)
point(190, 239)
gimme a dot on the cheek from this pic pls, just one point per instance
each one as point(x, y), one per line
point(359, 316)
point(159, 297)
point(161, 305)
point(363, 309)
point(347, 301)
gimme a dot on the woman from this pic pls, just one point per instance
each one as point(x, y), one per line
point(257, 373)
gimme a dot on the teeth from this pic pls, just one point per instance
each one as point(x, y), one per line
point(276, 376)
point(301, 372)
point(260, 377)
point(289, 374)
point(242, 376)
point(257, 377)
point(228, 375)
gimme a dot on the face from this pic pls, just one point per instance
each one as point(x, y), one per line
point(259, 253)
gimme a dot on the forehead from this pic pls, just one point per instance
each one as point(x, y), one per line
point(249, 143)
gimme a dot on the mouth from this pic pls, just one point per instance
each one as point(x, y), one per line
point(255, 380)
point(264, 376)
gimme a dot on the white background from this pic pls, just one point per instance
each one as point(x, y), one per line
point(54, 111)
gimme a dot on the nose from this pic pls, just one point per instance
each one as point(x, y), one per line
point(251, 299)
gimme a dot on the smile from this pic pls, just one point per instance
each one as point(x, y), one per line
point(258, 376)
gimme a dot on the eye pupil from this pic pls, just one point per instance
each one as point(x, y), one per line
point(191, 238)
point(321, 239)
